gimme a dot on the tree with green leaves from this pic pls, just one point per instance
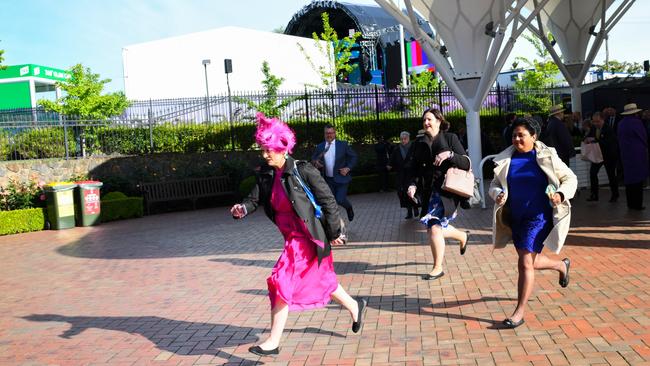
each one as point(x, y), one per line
point(270, 105)
point(83, 98)
point(2, 67)
point(423, 81)
point(539, 74)
point(614, 66)
point(338, 68)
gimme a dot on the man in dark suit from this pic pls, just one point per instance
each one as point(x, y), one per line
point(557, 135)
point(335, 159)
point(603, 134)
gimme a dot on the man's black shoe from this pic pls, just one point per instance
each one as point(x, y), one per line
point(350, 213)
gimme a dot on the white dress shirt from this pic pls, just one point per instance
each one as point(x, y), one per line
point(329, 157)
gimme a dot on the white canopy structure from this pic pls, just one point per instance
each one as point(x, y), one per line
point(468, 48)
point(572, 23)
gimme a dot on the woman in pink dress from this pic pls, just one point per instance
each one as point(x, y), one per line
point(303, 277)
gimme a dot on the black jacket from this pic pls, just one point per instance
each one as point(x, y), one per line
point(557, 135)
point(325, 229)
point(422, 157)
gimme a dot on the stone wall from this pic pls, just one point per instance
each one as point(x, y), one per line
point(123, 173)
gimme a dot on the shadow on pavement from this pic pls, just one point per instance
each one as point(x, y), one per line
point(175, 336)
point(341, 267)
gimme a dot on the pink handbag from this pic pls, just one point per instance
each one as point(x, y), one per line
point(460, 182)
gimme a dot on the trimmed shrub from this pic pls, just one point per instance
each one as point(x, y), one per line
point(44, 143)
point(5, 145)
point(123, 208)
point(114, 196)
point(22, 221)
point(369, 183)
point(246, 186)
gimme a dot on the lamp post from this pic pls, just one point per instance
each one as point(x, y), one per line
point(207, 92)
point(227, 67)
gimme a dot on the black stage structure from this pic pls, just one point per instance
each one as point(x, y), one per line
point(377, 51)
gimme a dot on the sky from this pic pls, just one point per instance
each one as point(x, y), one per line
point(93, 32)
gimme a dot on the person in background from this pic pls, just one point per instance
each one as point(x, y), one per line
point(432, 155)
point(398, 164)
point(633, 143)
point(557, 135)
point(383, 150)
point(603, 135)
point(645, 117)
point(303, 277)
point(531, 190)
point(507, 130)
point(335, 159)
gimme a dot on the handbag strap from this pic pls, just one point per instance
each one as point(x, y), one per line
point(317, 209)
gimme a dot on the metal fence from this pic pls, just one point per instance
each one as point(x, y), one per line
point(227, 122)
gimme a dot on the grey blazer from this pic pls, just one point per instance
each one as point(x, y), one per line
point(325, 229)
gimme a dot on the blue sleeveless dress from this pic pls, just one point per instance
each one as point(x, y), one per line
point(530, 208)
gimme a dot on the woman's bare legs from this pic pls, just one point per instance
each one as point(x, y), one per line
point(437, 243)
point(345, 300)
point(437, 236)
point(527, 264)
point(279, 315)
point(525, 282)
point(453, 233)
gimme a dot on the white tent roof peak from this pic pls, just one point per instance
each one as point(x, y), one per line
point(461, 25)
point(570, 21)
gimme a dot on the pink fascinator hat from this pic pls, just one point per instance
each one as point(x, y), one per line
point(273, 134)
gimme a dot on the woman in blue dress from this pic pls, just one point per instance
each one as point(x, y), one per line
point(531, 189)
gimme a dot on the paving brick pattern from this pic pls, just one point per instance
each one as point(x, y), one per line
point(189, 289)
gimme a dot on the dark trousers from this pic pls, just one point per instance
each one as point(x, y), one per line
point(634, 195)
point(383, 178)
point(340, 192)
point(610, 168)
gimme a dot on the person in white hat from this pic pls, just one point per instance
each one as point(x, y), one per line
point(633, 144)
point(556, 134)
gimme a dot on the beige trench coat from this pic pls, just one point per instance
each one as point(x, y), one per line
point(559, 175)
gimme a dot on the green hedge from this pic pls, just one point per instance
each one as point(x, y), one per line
point(198, 138)
point(5, 146)
point(22, 221)
point(359, 184)
point(369, 183)
point(124, 208)
point(44, 143)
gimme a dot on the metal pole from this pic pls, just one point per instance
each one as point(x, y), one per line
point(232, 131)
point(150, 126)
point(499, 100)
point(207, 93)
point(377, 102)
point(65, 136)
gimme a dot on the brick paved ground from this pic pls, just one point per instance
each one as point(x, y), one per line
point(189, 288)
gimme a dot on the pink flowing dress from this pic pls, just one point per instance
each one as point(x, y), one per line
point(297, 278)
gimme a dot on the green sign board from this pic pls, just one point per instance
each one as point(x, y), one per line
point(31, 70)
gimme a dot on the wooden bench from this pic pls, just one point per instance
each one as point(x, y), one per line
point(186, 189)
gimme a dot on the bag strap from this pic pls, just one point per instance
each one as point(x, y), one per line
point(317, 209)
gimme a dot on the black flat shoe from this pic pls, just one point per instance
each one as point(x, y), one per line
point(464, 247)
point(257, 350)
point(508, 323)
point(564, 279)
point(429, 277)
point(363, 305)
